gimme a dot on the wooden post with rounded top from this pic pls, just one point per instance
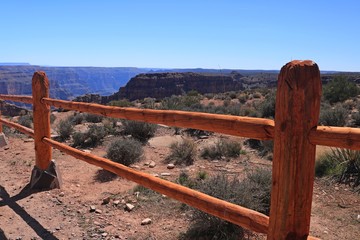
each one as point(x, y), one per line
point(41, 116)
point(297, 112)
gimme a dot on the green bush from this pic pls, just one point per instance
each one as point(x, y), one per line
point(343, 165)
point(26, 120)
point(253, 192)
point(121, 103)
point(267, 107)
point(92, 118)
point(333, 116)
point(139, 130)
point(76, 119)
point(339, 89)
point(182, 152)
point(90, 138)
point(125, 151)
point(65, 129)
point(222, 148)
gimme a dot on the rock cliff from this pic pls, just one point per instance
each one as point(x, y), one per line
point(160, 85)
point(66, 82)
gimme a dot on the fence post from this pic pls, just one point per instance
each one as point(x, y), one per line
point(45, 174)
point(297, 112)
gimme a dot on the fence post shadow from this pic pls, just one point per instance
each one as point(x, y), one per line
point(11, 202)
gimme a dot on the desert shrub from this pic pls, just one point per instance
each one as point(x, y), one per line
point(92, 137)
point(26, 120)
point(76, 119)
point(343, 165)
point(202, 175)
point(339, 89)
point(182, 152)
point(355, 119)
point(65, 129)
point(267, 107)
point(222, 148)
point(125, 151)
point(257, 95)
point(121, 103)
point(92, 118)
point(185, 180)
point(333, 116)
point(139, 130)
point(253, 192)
point(52, 118)
point(196, 132)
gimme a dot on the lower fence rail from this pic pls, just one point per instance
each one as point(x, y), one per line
point(233, 213)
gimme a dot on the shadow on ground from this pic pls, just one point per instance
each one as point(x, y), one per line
point(11, 202)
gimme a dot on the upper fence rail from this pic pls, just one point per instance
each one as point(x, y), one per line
point(248, 127)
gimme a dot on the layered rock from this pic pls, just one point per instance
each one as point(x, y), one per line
point(160, 85)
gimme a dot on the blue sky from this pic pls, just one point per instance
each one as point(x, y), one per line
point(181, 34)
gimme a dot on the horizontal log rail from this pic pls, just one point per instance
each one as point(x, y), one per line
point(17, 98)
point(342, 137)
point(257, 128)
point(20, 128)
point(247, 218)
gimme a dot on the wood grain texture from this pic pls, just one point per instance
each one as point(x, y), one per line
point(244, 217)
point(256, 128)
point(297, 112)
point(41, 119)
point(17, 98)
point(18, 127)
point(342, 137)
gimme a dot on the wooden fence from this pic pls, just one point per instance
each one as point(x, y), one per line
point(295, 133)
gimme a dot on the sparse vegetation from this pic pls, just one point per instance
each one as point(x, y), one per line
point(339, 89)
point(65, 129)
point(333, 116)
point(343, 165)
point(139, 130)
point(92, 137)
point(182, 152)
point(222, 148)
point(252, 192)
point(125, 151)
point(26, 120)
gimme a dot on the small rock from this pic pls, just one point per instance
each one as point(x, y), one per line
point(104, 234)
point(116, 202)
point(61, 194)
point(86, 150)
point(146, 221)
point(129, 207)
point(152, 164)
point(58, 228)
point(326, 232)
point(6, 148)
point(170, 166)
point(97, 223)
point(358, 217)
point(106, 200)
point(337, 188)
point(98, 211)
point(92, 208)
point(29, 140)
point(156, 175)
point(165, 174)
point(203, 137)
